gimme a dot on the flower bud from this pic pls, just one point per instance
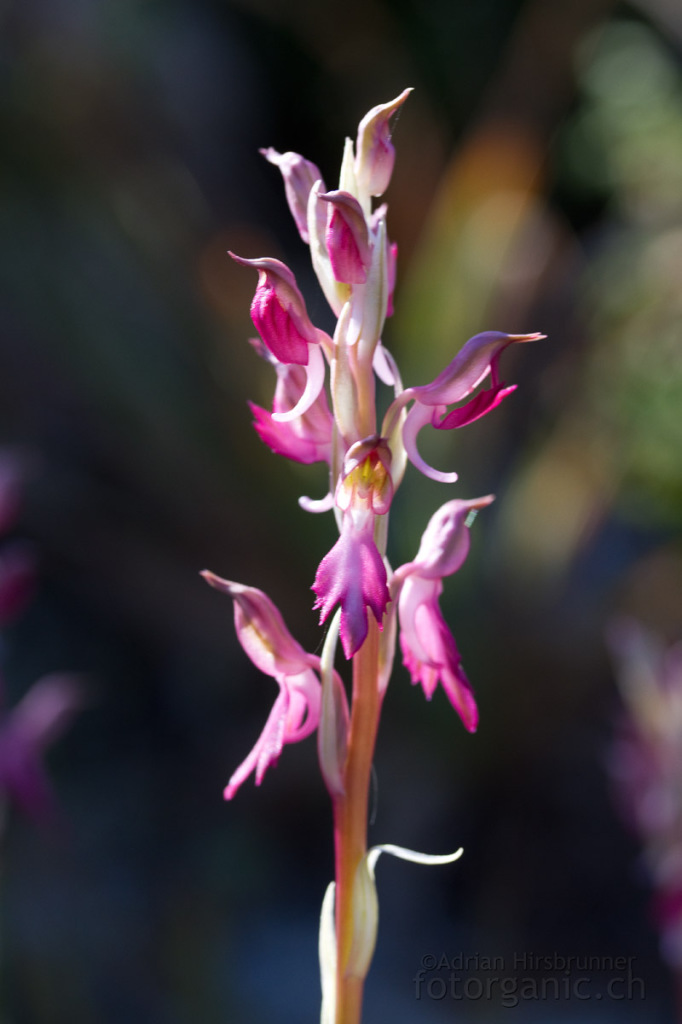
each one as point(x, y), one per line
point(375, 154)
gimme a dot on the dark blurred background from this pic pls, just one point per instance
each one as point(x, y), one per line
point(538, 186)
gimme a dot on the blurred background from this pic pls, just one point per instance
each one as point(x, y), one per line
point(538, 187)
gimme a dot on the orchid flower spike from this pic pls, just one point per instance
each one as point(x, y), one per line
point(356, 592)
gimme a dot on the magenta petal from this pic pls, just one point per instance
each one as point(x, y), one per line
point(344, 253)
point(352, 574)
point(279, 312)
point(277, 328)
point(347, 238)
point(17, 579)
point(283, 439)
point(482, 403)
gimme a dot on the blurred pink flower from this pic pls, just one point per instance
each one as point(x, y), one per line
point(40, 717)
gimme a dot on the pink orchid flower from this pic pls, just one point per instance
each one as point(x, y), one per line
point(477, 360)
point(39, 718)
point(270, 646)
point(430, 653)
point(355, 263)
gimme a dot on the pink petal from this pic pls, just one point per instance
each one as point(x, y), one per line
point(299, 177)
point(283, 439)
point(445, 542)
point(261, 630)
point(468, 369)
point(429, 650)
point(482, 403)
point(279, 312)
point(267, 749)
point(352, 574)
point(347, 238)
point(294, 715)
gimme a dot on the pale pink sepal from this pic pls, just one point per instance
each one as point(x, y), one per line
point(472, 364)
point(375, 154)
point(279, 312)
point(268, 643)
point(347, 238)
point(386, 368)
point(353, 575)
point(445, 541)
point(299, 177)
point(429, 650)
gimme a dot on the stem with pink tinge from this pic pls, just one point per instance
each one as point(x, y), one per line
point(350, 816)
